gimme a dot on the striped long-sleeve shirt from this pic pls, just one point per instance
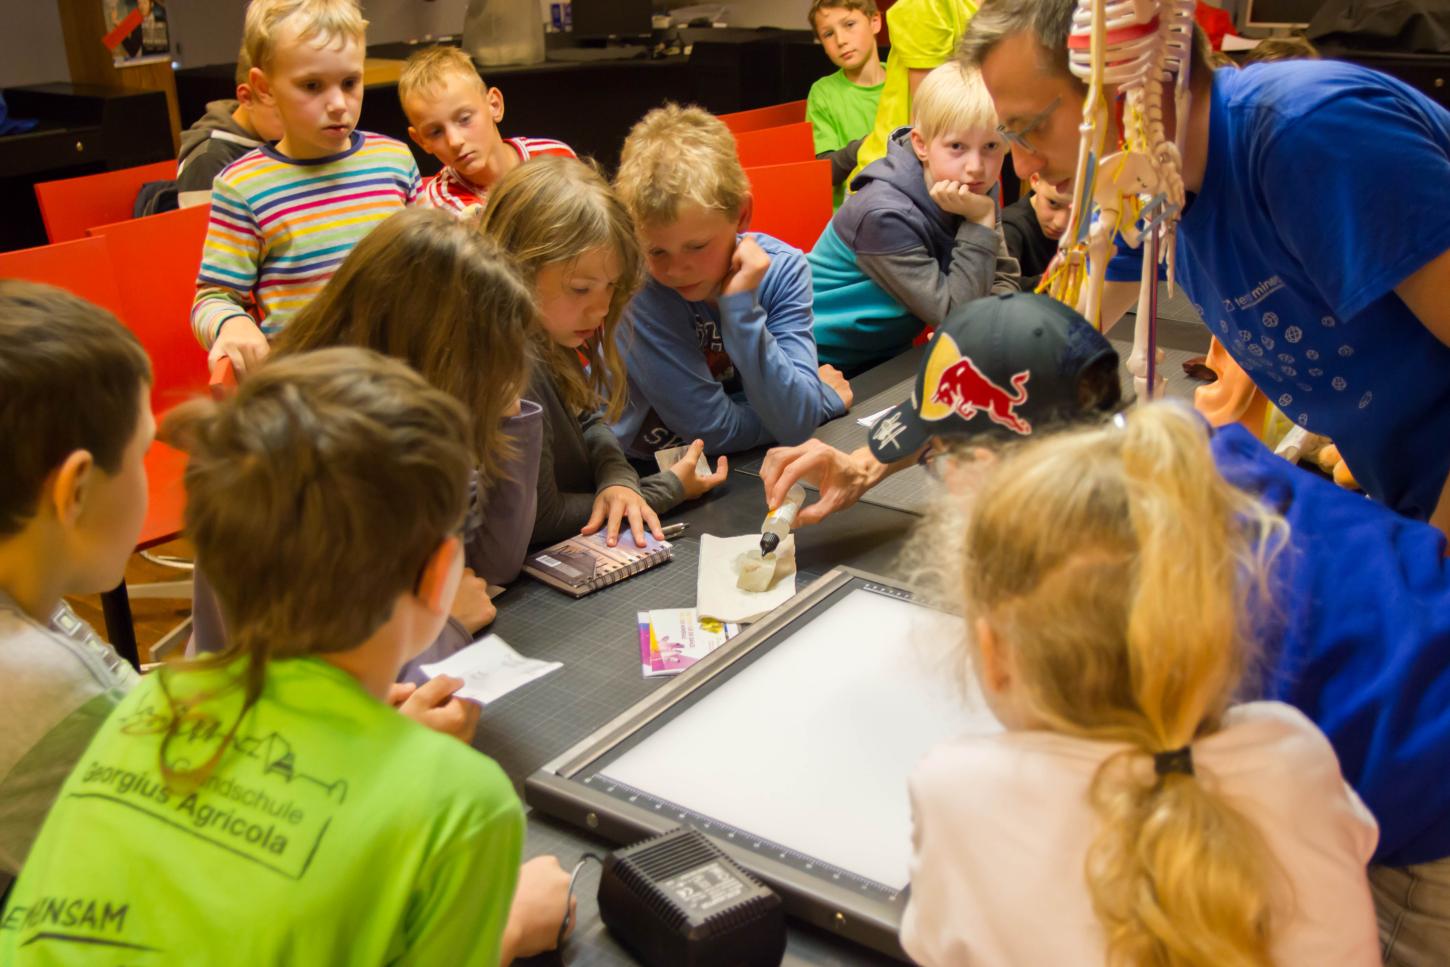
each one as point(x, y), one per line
point(280, 227)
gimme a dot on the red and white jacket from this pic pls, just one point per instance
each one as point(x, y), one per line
point(452, 192)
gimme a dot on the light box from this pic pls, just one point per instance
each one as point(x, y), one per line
point(790, 747)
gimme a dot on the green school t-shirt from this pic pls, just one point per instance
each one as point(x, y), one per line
point(840, 112)
point(333, 830)
point(924, 33)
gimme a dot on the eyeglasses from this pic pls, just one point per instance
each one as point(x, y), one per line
point(1018, 138)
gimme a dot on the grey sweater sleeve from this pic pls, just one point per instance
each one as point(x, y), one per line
point(578, 458)
point(1007, 277)
point(915, 279)
point(662, 491)
point(495, 549)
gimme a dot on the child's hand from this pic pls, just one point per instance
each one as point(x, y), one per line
point(613, 504)
point(242, 342)
point(832, 377)
point(432, 705)
point(687, 469)
point(747, 267)
point(472, 607)
point(958, 199)
point(541, 900)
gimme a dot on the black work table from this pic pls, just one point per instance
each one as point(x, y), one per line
point(596, 639)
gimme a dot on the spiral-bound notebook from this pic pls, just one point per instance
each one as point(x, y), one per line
point(579, 565)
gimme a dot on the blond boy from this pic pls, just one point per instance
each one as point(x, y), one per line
point(453, 115)
point(719, 347)
point(271, 793)
point(284, 217)
point(842, 106)
point(920, 236)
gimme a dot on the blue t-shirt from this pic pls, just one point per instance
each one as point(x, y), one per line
point(1328, 185)
point(1359, 640)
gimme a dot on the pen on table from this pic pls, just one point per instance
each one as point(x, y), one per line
point(674, 530)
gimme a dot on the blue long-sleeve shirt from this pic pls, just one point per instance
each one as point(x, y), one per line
point(676, 393)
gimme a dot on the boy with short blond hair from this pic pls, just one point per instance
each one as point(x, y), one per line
point(76, 419)
point(842, 106)
point(267, 790)
point(719, 345)
point(453, 116)
point(284, 216)
point(921, 234)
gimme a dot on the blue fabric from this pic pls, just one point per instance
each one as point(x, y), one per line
point(1360, 642)
point(1327, 185)
point(13, 125)
point(856, 320)
point(673, 394)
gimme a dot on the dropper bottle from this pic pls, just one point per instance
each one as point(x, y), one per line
point(779, 521)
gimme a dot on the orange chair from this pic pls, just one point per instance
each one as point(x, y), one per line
point(791, 112)
point(792, 201)
point(85, 267)
point(156, 260)
point(69, 206)
point(776, 146)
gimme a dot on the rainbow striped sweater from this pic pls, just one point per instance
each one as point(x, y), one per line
point(280, 227)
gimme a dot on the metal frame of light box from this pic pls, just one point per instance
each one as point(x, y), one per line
point(557, 791)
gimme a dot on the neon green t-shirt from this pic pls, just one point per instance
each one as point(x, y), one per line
point(924, 33)
point(332, 830)
point(840, 112)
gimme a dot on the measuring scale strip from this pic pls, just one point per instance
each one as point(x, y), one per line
point(740, 837)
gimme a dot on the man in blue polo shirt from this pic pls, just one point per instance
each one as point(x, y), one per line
point(1315, 243)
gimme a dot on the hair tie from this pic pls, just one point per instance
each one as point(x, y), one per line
point(1174, 760)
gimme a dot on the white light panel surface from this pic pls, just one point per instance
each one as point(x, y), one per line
point(811, 745)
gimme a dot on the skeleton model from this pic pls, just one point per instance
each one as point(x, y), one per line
point(1141, 47)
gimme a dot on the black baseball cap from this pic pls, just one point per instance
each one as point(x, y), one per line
point(1007, 366)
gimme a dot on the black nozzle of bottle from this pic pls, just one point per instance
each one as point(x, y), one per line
point(768, 543)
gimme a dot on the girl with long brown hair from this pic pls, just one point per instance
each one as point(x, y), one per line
point(575, 243)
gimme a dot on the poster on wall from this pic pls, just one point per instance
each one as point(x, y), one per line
point(136, 31)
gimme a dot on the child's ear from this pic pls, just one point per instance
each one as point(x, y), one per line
point(875, 24)
point(495, 103)
point(71, 485)
point(918, 144)
point(747, 209)
point(995, 665)
point(261, 86)
point(439, 580)
point(417, 139)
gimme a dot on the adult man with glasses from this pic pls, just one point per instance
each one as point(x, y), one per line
point(1301, 245)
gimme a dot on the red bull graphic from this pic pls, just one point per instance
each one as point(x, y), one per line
point(954, 384)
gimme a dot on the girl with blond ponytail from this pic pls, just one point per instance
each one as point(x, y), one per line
point(1129, 815)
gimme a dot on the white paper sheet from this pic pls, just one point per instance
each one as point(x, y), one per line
point(716, 592)
point(667, 458)
point(811, 744)
point(490, 669)
point(869, 421)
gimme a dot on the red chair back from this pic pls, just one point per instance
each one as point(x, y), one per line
point(69, 206)
point(156, 261)
point(775, 146)
point(82, 266)
point(792, 202)
point(791, 112)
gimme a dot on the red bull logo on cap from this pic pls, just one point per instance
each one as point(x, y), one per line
point(953, 385)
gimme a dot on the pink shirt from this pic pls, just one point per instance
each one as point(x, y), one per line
point(452, 192)
point(1002, 826)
